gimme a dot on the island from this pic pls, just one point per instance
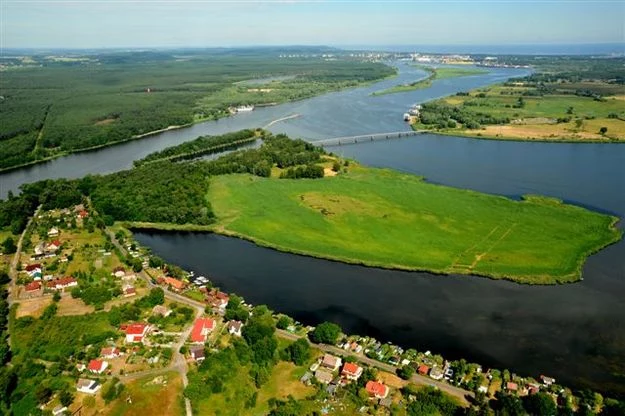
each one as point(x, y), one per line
point(434, 74)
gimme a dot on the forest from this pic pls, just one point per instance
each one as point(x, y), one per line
point(163, 191)
point(51, 109)
point(203, 145)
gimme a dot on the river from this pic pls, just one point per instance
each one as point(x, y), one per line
point(573, 332)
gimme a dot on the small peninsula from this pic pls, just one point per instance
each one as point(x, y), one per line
point(434, 73)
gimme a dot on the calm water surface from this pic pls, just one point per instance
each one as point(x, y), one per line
point(574, 332)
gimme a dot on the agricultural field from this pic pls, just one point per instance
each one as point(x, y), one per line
point(389, 219)
point(442, 72)
point(59, 107)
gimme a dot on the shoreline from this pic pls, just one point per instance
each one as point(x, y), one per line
point(219, 230)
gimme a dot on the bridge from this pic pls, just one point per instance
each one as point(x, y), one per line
point(340, 141)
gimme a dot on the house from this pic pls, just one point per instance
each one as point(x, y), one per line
point(351, 371)
point(323, 376)
point(197, 353)
point(482, 389)
point(62, 283)
point(85, 385)
point(161, 310)
point(512, 386)
point(175, 284)
point(53, 246)
point(82, 214)
point(201, 328)
point(81, 367)
point(78, 208)
point(331, 362)
point(234, 328)
point(110, 352)
point(217, 299)
point(97, 366)
point(135, 332)
point(437, 373)
point(33, 287)
point(33, 269)
point(40, 249)
point(53, 232)
point(376, 389)
point(547, 381)
point(118, 272)
point(423, 370)
point(129, 291)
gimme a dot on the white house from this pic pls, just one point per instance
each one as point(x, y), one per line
point(85, 385)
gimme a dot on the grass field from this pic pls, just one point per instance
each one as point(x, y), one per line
point(388, 219)
point(160, 395)
point(560, 116)
point(435, 73)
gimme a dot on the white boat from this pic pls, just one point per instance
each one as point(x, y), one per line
point(244, 108)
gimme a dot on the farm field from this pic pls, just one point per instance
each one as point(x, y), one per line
point(388, 219)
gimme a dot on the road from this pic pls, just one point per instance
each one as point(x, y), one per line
point(457, 392)
point(12, 296)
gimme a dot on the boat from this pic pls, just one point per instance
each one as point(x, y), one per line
point(244, 108)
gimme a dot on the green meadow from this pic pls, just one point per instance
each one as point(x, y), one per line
point(388, 219)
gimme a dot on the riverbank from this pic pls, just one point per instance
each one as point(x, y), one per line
point(386, 219)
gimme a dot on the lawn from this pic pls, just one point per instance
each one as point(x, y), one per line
point(388, 219)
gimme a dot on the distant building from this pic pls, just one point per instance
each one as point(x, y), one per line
point(110, 352)
point(197, 353)
point(234, 328)
point(161, 310)
point(323, 376)
point(135, 332)
point(331, 362)
point(97, 366)
point(351, 371)
point(87, 386)
point(201, 328)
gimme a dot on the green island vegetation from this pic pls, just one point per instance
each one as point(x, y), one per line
point(435, 73)
point(354, 214)
point(50, 107)
point(203, 145)
point(581, 100)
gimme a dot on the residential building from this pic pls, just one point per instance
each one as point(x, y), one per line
point(129, 291)
point(53, 232)
point(85, 385)
point(331, 362)
point(197, 352)
point(376, 389)
point(201, 328)
point(97, 366)
point(323, 376)
point(135, 332)
point(351, 371)
point(234, 328)
point(33, 287)
point(110, 352)
point(175, 284)
point(423, 370)
point(62, 283)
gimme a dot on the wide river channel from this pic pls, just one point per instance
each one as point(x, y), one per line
point(574, 332)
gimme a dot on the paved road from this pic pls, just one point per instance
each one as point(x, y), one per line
point(457, 392)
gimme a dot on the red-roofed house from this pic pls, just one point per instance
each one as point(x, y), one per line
point(376, 389)
point(33, 287)
point(423, 370)
point(62, 283)
point(33, 269)
point(83, 214)
point(201, 328)
point(136, 332)
point(351, 371)
point(110, 352)
point(175, 284)
point(53, 246)
point(511, 386)
point(97, 366)
point(129, 291)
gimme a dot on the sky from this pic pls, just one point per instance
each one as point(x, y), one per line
point(206, 23)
